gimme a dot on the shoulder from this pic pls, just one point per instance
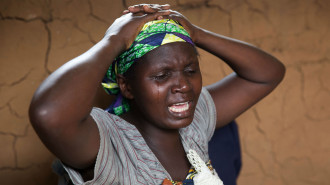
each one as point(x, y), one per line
point(205, 117)
point(205, 103)
point(205, 110)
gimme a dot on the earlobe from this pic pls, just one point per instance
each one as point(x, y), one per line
point(124, 86)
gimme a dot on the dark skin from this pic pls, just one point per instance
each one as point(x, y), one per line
point(168, 75)
point(64, 123)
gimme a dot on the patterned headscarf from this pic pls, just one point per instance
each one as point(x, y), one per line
point(153, 34)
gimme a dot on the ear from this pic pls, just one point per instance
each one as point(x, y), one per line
point(124, 86)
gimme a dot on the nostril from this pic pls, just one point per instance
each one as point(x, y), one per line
point(182, 85)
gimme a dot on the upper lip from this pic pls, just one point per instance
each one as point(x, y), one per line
point(181, 99)
point(180, 102)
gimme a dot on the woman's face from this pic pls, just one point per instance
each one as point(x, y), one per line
point(166, 85)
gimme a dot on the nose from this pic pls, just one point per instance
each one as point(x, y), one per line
point(181, 84)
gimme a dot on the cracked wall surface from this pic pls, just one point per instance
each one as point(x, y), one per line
point(285, 138)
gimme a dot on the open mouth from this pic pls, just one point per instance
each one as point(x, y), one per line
point(179, 107)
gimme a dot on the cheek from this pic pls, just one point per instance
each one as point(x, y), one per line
point(152, 93)
point(197, 83)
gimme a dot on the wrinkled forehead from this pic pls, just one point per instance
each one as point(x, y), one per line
point(170, 55)
point(171, 51)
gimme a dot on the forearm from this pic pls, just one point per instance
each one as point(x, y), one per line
point(247, 61)
point(71, 89)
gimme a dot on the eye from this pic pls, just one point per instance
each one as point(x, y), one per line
point(191, 70)
point(161, 76)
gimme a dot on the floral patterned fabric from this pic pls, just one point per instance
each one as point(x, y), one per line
point(189, 179)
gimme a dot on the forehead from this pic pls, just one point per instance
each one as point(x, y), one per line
point(168, 56)
point(176, 53)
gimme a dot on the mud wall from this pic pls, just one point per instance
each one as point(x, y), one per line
point(285, 138)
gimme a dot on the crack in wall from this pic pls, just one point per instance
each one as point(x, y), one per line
point(49, 37)
point(230, 20)
point(191, 5)
point(48, 49)
point(206, 4)
point(302, 63)
point(260, 12)
point(302, 84)
point(258, 127)
point(259, 163)
point(25, 132)
point(298, 65)
point(91, 13)
point(124, 3)
point(15, 137)
point(20, 18)
point(18, 81)
point(45, 22)
point(264, 134)
point(75, 25)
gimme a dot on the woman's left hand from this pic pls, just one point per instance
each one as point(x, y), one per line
point(152, 8)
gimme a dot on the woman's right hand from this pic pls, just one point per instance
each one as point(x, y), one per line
point(124, 29)
point(146, 8)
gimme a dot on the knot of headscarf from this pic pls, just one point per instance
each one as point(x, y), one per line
point(153, 34)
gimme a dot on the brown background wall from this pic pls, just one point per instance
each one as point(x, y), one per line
point(285, 138)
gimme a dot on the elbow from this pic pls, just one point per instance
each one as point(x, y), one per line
point(41, 118)
point(279, 73)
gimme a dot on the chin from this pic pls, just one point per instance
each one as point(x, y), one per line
point(181, 123)
point(182, 119)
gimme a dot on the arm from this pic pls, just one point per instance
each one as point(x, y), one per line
point(255, 75)
point(60, 109)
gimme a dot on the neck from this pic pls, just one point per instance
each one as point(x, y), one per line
point(160, 138)
point(154, 136)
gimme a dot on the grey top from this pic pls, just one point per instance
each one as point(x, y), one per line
point(125, 158)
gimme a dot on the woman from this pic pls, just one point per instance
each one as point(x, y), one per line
point(163, 109)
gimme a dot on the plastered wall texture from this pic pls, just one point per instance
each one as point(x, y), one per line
point(285, 138)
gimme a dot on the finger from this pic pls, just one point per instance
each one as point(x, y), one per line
point(156, 7)
point(125, 12)
point(160, 17)
point(168, 15)
point(163, 17)
point(136, 8)
point(151, 8)
point(143, 14)
point(165, 7)
point(148, 8)
point(172, 15)
point(155, 16)
point(138, 14)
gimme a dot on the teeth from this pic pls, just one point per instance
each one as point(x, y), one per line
point(179, 107)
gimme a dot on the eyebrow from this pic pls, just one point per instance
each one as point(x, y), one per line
point(166, 66)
